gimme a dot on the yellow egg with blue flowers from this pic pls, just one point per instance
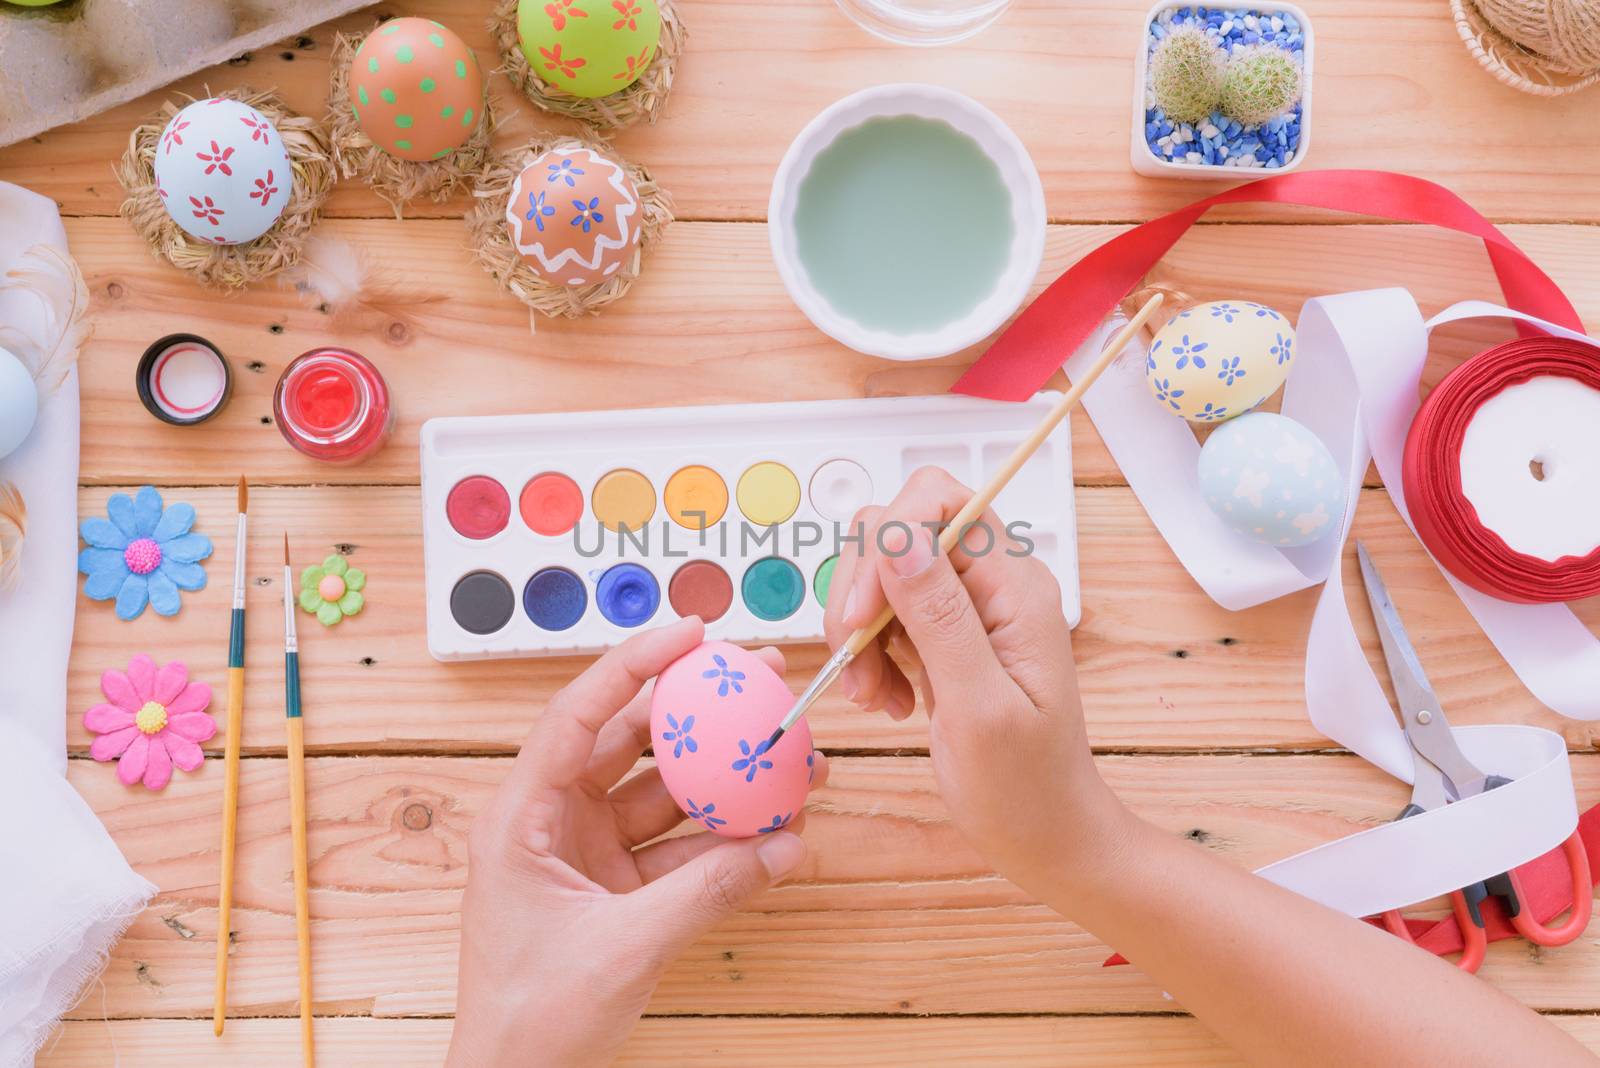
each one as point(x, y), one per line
point(1218, 360)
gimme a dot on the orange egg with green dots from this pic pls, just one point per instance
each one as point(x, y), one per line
point(416, 89)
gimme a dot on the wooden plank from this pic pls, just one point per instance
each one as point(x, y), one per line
point(350, 1042)
point(1407, 99)
point(709, 323)
point(1161, 665)
point(892, 913)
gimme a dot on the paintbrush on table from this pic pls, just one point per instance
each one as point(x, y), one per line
point(295, 726)
point(230, 788)
point(971, 511)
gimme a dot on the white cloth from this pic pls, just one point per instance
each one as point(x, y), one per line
point(67, 894)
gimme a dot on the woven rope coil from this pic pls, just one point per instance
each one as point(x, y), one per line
point(643, 101)
point(491, 242)
point(230, 266)
point(397, 181)
point(1543, 47)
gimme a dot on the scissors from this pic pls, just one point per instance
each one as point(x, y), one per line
point(1443, 774)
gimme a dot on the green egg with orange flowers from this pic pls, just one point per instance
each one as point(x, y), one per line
point(589, 48)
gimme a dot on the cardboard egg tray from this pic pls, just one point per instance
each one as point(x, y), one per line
point(63, 63)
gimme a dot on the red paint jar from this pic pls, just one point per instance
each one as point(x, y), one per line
point(333, 405)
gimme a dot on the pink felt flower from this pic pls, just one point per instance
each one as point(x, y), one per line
point(155, 719)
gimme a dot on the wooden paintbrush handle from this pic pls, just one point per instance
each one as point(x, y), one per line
point(983, 498)
point(230, 839)
point(302, 881)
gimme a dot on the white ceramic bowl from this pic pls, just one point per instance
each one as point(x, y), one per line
point(1016, 170)
point(1147, 163)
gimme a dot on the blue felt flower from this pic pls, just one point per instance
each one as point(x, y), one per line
point(143, 554)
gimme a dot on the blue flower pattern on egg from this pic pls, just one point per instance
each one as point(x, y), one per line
point(563, 170)
point(588, 214)
point(1283, 349)
point(752, 760)
point(778, 823)
point(679, 735)
point(1211, 413)
point(1225, 311)
point(704, 815)
point(811, 767)
point(1187, 351)
point(1165, 392)
point(1231, 370)
point(728, 680)
point(1262, 311)
point(538, 210)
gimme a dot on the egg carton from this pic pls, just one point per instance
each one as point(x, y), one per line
point(63, 63)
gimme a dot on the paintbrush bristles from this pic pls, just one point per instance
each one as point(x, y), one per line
point(286, 548)
point(244, 495)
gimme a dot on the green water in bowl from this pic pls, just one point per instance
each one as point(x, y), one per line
point(903, 224)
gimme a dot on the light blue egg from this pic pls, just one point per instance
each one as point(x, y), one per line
point(1272, 480)
point(19, 403)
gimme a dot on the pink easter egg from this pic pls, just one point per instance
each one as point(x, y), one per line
point(710, 717)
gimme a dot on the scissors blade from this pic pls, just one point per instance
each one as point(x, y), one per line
point(1420, 712)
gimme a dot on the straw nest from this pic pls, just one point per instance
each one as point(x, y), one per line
point(1543, 47)
point(230, 266)
point(397, 181)
point(644, 100)
point(491, 238)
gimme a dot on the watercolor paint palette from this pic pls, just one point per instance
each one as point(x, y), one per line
point(561, 534)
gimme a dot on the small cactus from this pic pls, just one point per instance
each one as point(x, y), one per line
point(1262, 82)
point(1186, 73)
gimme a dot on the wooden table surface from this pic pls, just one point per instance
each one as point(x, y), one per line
point(894, 945)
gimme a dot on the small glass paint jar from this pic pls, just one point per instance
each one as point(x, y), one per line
point(333, 405)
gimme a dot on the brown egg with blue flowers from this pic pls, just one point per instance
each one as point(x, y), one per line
point(574, 216)
point(416, 89)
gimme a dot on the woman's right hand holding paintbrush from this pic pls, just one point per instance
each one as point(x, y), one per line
point(983, 629)
point(1281, 978)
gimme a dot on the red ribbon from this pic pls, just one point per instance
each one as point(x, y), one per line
point(1024, 357)
point(1445, 520)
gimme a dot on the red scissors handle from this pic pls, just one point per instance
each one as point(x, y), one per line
point(1475, 941)
point(1582, 901)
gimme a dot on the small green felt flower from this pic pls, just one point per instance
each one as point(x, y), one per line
point(332, 591)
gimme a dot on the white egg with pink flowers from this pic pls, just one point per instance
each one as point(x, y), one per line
point(222, 171)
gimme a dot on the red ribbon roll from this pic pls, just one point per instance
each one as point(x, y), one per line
point(1445, 519)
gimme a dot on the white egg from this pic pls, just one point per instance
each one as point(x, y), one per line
point(222, 171)
point(1271, 480)
point(19, 403)
point(1219, 360)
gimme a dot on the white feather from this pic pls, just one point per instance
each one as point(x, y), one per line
point(13, 523)
point(53, 278)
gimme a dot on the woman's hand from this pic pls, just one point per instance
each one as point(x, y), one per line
point(570, 917)
point(983, 629)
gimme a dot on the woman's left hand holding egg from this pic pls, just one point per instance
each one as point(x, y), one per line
point(573, 909)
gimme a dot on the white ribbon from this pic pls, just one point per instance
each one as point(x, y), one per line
point(1355, 385)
